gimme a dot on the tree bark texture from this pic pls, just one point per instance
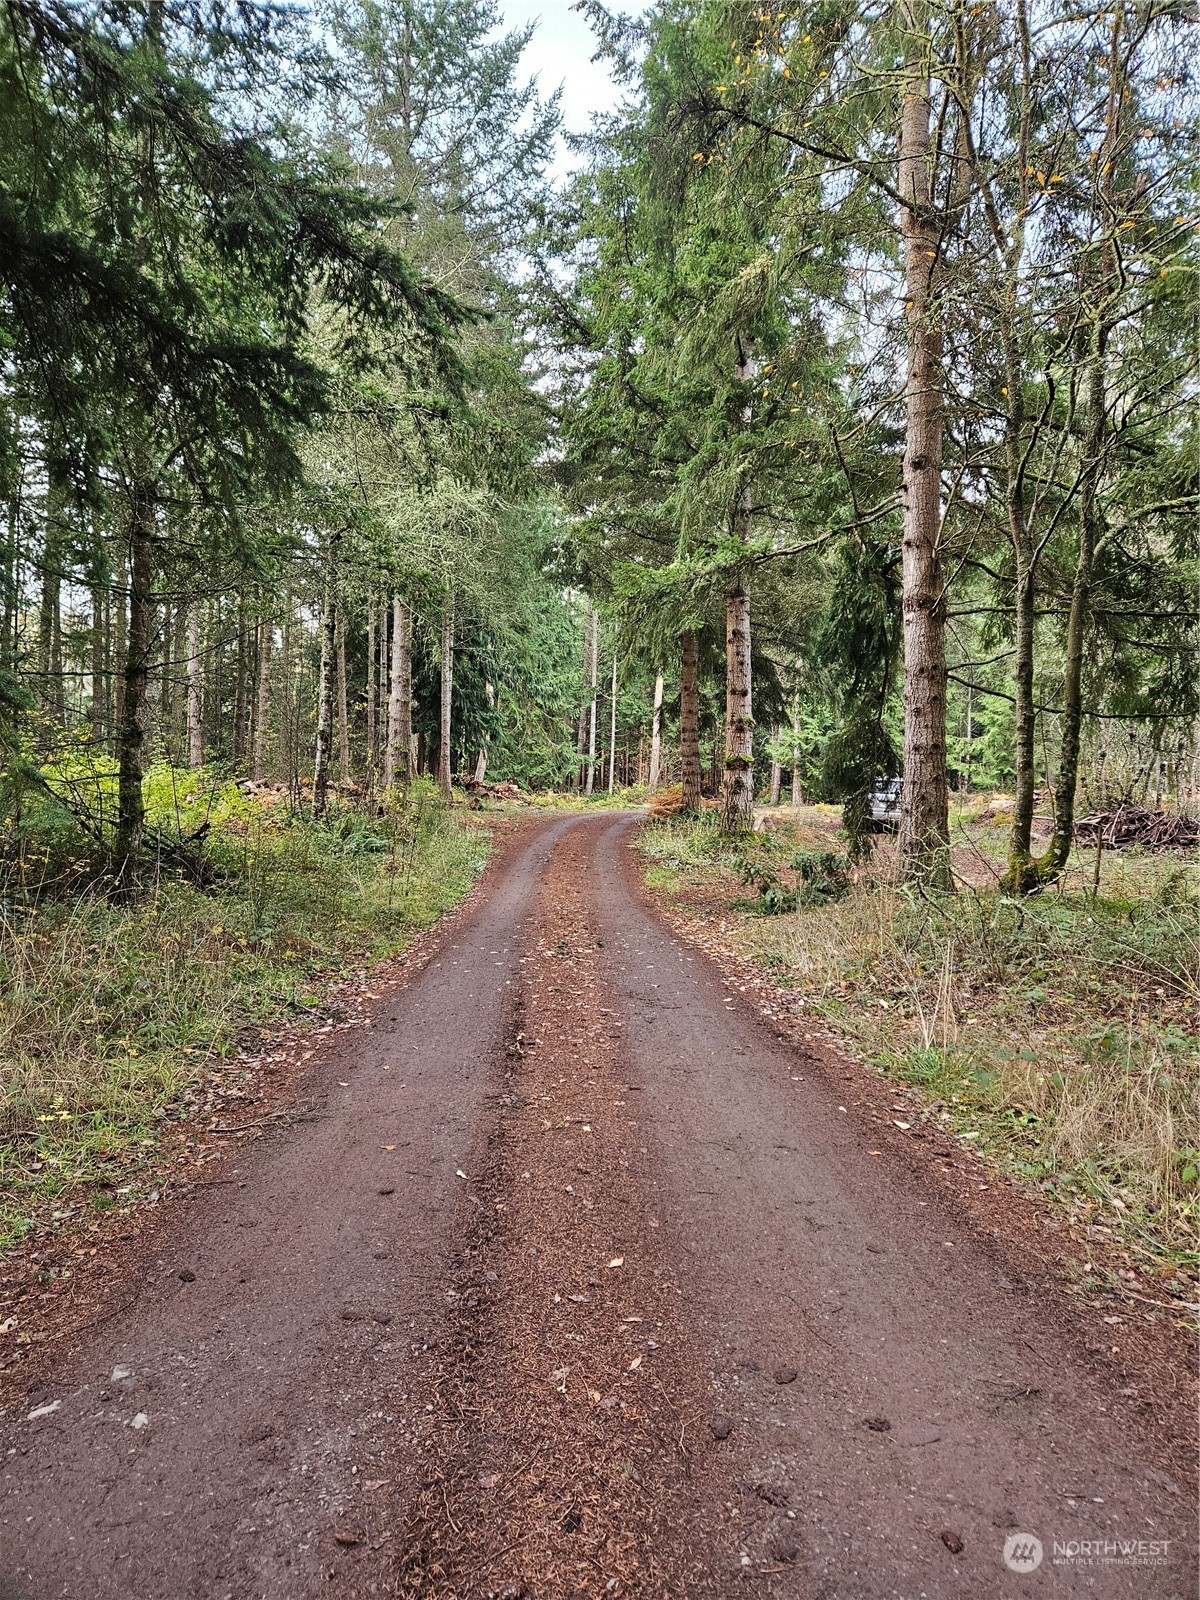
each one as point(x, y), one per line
point(262, 697)
point(397, 761)
point(656, 734)
point(797, 781)
point(924, 825)
point(372, 725)
point(612, 732)
point(343, 709)
point(325, 685)
point(593, 675)
point(445, 755)
point(131, 731)
point(689, 721)
point(195, 690)
point(737, 790)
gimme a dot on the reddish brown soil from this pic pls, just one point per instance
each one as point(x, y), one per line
point(394, 1351)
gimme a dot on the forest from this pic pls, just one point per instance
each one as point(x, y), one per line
point(831, 421)
point(772, 496)
point(340, 445)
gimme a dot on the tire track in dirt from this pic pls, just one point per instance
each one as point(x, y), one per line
point(250, 1422)
point(569, 1399)
point(893, 1384)
point(581, 1286)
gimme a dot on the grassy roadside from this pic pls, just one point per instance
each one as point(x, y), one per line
point(1055, 1037)
point(110, 1013)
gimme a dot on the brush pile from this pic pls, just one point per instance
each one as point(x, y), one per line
point(491, 791)
point(1153, 830)
point(665, 803)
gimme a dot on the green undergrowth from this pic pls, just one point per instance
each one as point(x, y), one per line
point(1055, 1036)
point(110, 1009)
point(566, 800)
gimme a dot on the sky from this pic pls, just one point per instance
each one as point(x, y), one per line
point(560, 53)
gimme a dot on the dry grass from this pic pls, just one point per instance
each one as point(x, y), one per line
point(1057, 1033)
point(109, 1011)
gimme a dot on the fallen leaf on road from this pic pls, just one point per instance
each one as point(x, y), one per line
point(635, 1363)
point(141, 1420)
point(898, 1124)
point(617, 1261)
point(347, 1536)
point(387, 1146)
point(952, 1542)
point(43, 1411)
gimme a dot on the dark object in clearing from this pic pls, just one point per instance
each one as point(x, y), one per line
point(1154, 830)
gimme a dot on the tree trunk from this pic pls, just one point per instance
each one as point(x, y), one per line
point(54, 545)
point(581, 725)
point(383, 685)
point(776, 771)
point(195, 713)
point(11, 565)
point(1107, 311)
point(119, 637)
point(737, 782)
point(689, 722)
point(612, 732)
point(397, 760)
point(1056, 858)
point(593, 674)
point(481, 761)
point(99, 696)
point(262, 698)
point(924, 824)
point(445, 762)
point(737, 792)
point(1021, 874)
point(343, 710)
point(241, 687)
point(131, 805)
point(404, 732)
point(393, 760)
point(155, 668)
point(797, 781)
point(372, 725)
point(656, 734)
point(326, 684)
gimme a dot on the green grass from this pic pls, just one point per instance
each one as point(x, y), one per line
point(1055, 1035)
point(111, 1014)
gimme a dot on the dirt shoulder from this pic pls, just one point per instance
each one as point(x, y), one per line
point(1112, 1314)
point(82, 1265)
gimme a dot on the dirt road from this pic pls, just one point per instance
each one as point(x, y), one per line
point(578, 1283)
